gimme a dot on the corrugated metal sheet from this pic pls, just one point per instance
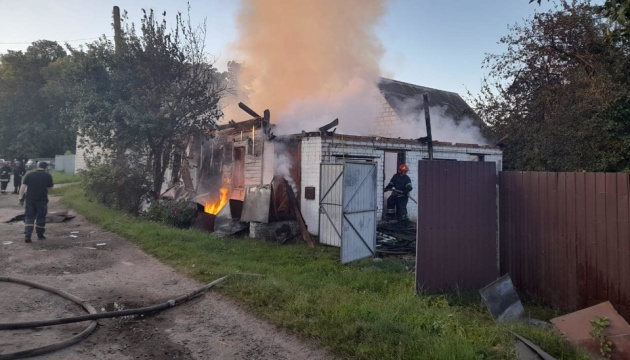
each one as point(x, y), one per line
point(359, 211)
point(348, 208)
point(565, 237)
point(330, 204)
point(457, 225)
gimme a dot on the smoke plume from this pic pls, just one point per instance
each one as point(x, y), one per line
point(443, 126)
point(310, 62)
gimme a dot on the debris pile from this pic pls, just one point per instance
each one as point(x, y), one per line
point(395, 238)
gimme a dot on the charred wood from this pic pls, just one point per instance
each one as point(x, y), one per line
point(427, 117)
point(329, 126)
point(298, 215)
point(266, 116)
point(248, 110)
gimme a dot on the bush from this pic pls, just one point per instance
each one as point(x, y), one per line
point(116, 185)
point(177, 213)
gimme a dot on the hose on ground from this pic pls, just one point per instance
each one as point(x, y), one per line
point(60, 345)
point(93, 315)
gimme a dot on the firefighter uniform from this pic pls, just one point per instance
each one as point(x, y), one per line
point(397, 201)
point(5, 177)
point(36, 184)
point(18, 173)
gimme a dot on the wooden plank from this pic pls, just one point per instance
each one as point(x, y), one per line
point(623, 250)
point(591, 238)
point(572, 300)
point(601, 248)
point(185, 173)
point(535, 249)
point(517, 238)
point(544, 238)
point(612, 260)
point(520, 230)
point(504, 220)
point(582, 240)
point(529, 269)
point(298, 215)
point(559, 221)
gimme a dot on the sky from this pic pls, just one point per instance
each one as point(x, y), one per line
point(434, 43)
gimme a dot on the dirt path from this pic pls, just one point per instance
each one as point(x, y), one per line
point(119, 275)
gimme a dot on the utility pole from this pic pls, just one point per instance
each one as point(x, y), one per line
point(117, 31)
point(427, 118)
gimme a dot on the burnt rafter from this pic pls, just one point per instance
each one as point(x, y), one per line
point(329, 126)
point(323, 130)
point(266, 119)
point(248, 110)
point(266, 116)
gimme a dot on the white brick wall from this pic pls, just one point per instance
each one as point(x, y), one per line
point(311, 159)
point(386, 123)
point(315, 150)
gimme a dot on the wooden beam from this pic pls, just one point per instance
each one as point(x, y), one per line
point(298, 215)
point(248, 110)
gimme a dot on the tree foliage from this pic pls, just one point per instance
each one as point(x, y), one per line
point(559, 93)
point(618, 14)
point(31, 121)
point(142, 101)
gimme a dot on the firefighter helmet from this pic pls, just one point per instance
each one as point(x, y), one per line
point(403, 168)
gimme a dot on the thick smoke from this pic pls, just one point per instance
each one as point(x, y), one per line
point(443, 126)
point(310, 62)
point(283, 165)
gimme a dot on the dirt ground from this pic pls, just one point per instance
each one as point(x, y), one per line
point(114, 276)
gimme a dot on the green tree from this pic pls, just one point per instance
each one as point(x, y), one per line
point(559, 93)
point(142, 101)
point(31, 124)
point(618, 14)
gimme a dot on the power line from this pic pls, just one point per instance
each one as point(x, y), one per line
point(59, 41)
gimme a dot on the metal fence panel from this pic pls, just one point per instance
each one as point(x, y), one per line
point(359, 211)
point(457, 225)
point(565, 237)
point(330, 204)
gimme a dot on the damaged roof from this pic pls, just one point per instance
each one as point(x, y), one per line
point(400, 94)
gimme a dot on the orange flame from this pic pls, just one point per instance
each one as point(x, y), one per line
point(214, 207)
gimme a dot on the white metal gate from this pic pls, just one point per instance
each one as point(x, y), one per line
point(347, 208)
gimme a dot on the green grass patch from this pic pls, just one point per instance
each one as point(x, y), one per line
point(62, 177)
point(365, 310)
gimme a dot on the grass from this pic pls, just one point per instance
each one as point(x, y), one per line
point(366, 310)
point(62, 177)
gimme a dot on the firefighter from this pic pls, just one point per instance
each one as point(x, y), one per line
point(18, 173)
point(400, 185)
point(5, 177)
point(34, 192)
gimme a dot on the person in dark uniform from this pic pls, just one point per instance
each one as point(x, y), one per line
point(400, 185)
point(18, 173)
point(5, 176)
point(34, 192)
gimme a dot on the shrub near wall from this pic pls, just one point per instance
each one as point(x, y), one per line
point(116, 186)
point(177, 213)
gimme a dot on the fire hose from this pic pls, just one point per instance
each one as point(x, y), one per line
point(93, 316)
point(400, 192)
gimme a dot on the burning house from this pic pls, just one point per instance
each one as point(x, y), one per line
point(242, 160)
point(244, 177)
point(291, 174)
